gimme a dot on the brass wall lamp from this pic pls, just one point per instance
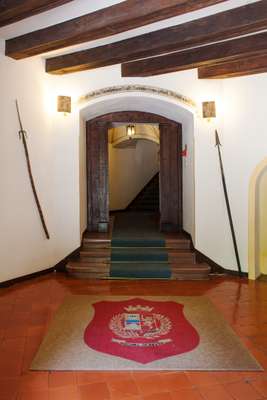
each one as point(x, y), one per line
point(209, 110)
point(64, 104)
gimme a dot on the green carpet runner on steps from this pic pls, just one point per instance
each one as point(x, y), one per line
point(138, 248)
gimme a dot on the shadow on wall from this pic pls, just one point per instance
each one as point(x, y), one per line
point(258, 221)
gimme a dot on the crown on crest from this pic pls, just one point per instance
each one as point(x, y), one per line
point(138, 308)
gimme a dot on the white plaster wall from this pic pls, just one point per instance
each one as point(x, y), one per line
point(55, 146)
point(237, 99)
point(23, 246)
point(130, 169)
point(244, 140)
point(261, 220)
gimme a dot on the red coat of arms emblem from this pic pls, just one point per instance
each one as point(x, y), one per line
point(140, 330)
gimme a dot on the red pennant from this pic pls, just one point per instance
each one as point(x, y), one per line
point(184, 152)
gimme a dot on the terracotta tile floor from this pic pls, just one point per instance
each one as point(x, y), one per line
point(27, 308)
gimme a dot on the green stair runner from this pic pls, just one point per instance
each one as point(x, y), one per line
point(140, 271)
point(137, 248)
point(137, 243)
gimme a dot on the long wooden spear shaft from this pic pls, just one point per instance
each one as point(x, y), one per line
point(218, 145)
point(23, 136)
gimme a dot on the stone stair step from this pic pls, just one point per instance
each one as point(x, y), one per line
point(84, 270)
point(81, 269)
point(148, 198)
point(181, 257)
point(140, 262)
point(179, 244)
point(190, 277)
point(96, 244)
point(95, 255)
point(95, 260)
point(88, 239)
point(89, 275)
point(88, 271)
point(82, 265)
point(95, 252)
point(130, 254)
point(194, 267)
point(190, 271)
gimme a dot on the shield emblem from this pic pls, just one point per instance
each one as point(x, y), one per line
point(140, 330)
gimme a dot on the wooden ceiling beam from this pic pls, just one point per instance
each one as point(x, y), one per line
point(227, 24)
point(15, 10)
point(194, 58)
point(241, 67)
point(105, 22)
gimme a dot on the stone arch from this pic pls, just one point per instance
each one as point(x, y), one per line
point(166, 106)
point(257, 213)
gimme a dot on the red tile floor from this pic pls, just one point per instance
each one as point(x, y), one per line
point(27, 308)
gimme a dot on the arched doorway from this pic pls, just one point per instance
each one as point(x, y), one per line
point(170, 168)
point(258, 221)
point(171, 108)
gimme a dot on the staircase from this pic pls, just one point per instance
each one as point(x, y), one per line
point(94, 258)
point(95, 254)
point(183, 259)
point(148, 198)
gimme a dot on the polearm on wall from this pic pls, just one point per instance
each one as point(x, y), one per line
point(218, 145)
point(22, 136)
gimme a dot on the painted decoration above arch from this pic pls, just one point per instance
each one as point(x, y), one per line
point(111, 90)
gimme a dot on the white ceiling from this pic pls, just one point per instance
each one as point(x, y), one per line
point(79, 7)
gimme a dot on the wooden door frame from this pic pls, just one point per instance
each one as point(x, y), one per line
point(97, 177)
point(105, 122)
point(171, 178)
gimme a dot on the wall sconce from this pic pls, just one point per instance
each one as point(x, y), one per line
point(130, 130)
point(209, 110)
point(64, 104)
